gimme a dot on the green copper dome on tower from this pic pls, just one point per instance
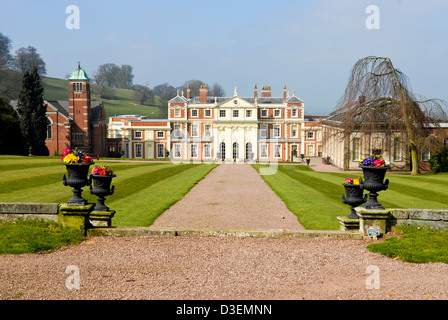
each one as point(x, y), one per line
point(79, 74)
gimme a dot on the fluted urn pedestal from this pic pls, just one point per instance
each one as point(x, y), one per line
point(373, 182)
point(77, 179)
point(100, 186)
point(353, 197)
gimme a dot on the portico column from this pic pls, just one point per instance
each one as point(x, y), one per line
point(254, 136)
point(228, 142)
point(238, 137)
point(216, 142)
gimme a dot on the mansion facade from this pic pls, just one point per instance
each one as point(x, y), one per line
point(204, 128)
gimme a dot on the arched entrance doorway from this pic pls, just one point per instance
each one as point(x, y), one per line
point(222, 150)
point(235, 151)
point(249, 155)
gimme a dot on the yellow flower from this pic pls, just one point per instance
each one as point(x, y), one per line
point(356, 181)
point(71, 158)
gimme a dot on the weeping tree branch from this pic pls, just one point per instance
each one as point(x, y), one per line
point(378, 98)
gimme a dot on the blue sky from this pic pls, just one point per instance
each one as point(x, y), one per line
point(308, 45)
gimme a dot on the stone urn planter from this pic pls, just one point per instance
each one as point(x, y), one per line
point(100, 186)
point(353, 197)
point(77, 179)
point(373, 182)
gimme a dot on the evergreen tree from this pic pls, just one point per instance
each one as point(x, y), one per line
point(32, 113)
point(11, 141)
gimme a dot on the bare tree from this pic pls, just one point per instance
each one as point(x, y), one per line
point(127, 76)
point(217, 90)
point(378, 98)
point(194, 87)
point(143, 94)
point(164, 91)
point(101, 85)
point(112, 76)
point(27, 58)
point(5, 56)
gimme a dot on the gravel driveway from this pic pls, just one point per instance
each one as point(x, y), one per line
point(230, 268)
point(231, 196)
point(159, 267)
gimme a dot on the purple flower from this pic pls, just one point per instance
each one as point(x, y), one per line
point(368, 161)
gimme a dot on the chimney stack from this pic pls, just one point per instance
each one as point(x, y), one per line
point(188, 92)
point(266, 92)
point(203, 93)
point(255, 93)
point(284, 92)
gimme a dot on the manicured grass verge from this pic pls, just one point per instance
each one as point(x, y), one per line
point(416, 245)
point(32, 236)
point(315, 197)
point(141, 206)
point(143, 190)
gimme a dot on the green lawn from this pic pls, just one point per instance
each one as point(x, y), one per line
point(415, 245)
point(315, 197)
point(143, 191)
point(33, 236)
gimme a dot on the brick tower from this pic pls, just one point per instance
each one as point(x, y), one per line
point(79, 110)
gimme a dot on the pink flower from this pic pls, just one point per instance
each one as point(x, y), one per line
point(67, 151)
point(378, 162)
point(349, 180)
point(87, 159)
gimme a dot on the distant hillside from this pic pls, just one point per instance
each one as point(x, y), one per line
point(123, 103)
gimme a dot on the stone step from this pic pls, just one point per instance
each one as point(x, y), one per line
point(214, 232)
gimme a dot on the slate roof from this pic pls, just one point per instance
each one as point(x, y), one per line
point(219, 100)
point(178, 99)
point(95, 110)
point(293, 99)
point(62, 106)
point(260, 100)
